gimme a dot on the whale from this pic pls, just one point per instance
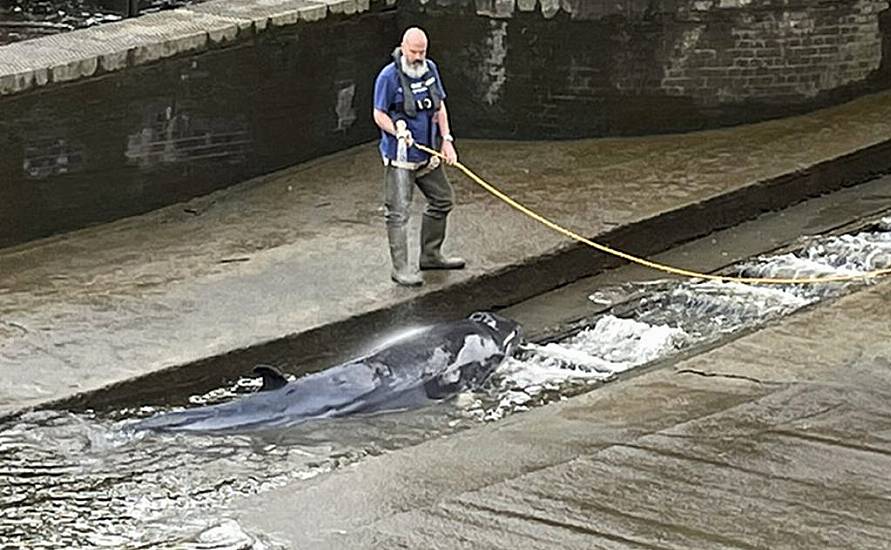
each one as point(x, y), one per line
point(420, 367)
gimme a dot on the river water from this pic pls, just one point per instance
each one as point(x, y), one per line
point(81, 481)
point(26, 19)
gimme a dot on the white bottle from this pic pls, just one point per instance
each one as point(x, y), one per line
point(402, 145)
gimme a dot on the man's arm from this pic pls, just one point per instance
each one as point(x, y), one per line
point(448, 148)
point(384, 122)
point(442, 118)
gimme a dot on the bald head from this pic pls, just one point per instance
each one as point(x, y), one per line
point(414, 36)
point(414, 46)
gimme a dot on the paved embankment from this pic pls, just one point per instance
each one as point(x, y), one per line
point(292, 268)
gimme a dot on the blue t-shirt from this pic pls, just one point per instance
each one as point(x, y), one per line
point(388, 97)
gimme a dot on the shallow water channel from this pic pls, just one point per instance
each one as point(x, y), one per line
point(80, 481)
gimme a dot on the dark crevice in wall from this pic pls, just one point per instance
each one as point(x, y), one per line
point(884, 73)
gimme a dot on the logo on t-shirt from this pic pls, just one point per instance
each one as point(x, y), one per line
point(425, 102)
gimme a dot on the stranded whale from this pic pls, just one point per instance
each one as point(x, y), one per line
point(426, 365)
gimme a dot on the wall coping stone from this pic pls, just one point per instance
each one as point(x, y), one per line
point(114, 46)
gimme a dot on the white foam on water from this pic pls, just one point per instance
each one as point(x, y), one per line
point(860, 252)
point(541, 371)
point(837, 255)
point(626, 343)
point(225, 534)
point(595, 354)
point(790, 266)
point(245, 384)
point(739, 294)
point(710, 308)
point(228, 535)
point(558, 355)
point(675, 315)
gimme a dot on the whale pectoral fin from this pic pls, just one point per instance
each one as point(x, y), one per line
point(438, 388)
point(469, 376)
point(445, 385)
point(273, 379)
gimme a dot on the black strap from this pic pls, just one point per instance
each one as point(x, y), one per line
point(409, 107)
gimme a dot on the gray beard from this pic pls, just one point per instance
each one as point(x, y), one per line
point(416, 71)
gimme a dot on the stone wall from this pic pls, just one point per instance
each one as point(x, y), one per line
point(884, 75)
point(117, 143)
point(553, 69)
point(123, 118)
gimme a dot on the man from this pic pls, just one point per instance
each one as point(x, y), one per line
point(409, 107)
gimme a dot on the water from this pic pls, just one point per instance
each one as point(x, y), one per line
point(80, 481)
point(672, 316)
point(26, 19)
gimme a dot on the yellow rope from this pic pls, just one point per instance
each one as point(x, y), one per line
point(644, 262)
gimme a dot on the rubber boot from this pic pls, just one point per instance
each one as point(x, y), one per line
point(402, 274)
point(433, 232)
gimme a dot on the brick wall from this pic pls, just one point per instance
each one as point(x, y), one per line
point(99, 148)
point(595, 67)
point(780, 54)
point(884, 74)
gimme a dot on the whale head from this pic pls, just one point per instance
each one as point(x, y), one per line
point(507, 332)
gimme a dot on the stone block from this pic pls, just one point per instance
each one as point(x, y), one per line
point(63, 57)
point(549, 8)
point(261, 13)
point(347, 7)
point(500, 9)
point(313, 12)
point(17, 77)
point(158, 35)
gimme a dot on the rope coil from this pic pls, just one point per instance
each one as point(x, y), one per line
point(643, 261)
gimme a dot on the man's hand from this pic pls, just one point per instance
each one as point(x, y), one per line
point(402, 132)
point(449, 152)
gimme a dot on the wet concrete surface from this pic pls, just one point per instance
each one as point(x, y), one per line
point(273, 264)
point(779, 439)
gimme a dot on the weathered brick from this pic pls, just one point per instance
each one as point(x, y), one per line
point(768, 52)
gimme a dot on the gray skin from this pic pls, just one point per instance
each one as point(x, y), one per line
point(421, 367)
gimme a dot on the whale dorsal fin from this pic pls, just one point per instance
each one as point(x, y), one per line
point(273, 379)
